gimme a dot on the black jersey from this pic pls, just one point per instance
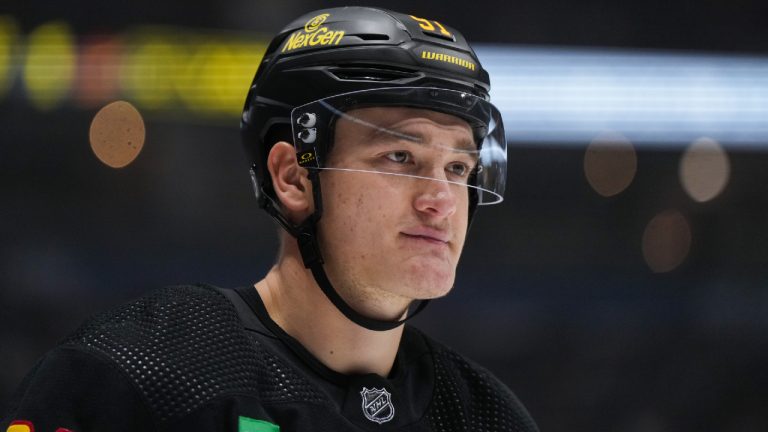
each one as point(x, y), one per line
point(200, 358)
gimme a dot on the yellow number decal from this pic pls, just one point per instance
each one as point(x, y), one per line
point(428, 27)
point(425, 24)
point(442, 29)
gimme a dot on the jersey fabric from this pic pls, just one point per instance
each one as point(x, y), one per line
point(201, 358)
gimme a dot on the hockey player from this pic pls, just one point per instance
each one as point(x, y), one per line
point(373, 141)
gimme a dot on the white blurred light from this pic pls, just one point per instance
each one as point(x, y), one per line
point(610, 164)
point(704, 169)
point(666, 241)
point(652, 98)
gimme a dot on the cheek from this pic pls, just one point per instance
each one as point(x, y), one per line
point(370, 217)
point(355, 214)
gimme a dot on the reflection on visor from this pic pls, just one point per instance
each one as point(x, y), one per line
point(458, 140)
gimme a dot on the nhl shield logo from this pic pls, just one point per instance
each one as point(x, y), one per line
point(377, 405)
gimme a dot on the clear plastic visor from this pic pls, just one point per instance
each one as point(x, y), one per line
point(409, 133)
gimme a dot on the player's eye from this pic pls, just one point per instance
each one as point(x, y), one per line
point(400, 157)
point(459, 169)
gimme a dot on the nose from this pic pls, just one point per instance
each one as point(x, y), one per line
point(435, 198)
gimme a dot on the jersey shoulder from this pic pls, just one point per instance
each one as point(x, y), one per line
point(183, 346)
point(469, 397)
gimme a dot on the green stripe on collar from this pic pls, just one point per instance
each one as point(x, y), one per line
point(247, 424)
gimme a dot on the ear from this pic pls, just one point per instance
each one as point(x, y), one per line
point(290, 182)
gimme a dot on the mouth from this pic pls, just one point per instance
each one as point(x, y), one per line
point(428, 235)
point(427, 239)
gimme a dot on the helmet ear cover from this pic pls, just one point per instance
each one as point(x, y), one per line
point(264, 188)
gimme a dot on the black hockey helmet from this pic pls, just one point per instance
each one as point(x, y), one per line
point(342, 58)
point(341, 50)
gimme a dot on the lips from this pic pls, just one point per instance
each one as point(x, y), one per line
point(427, 233)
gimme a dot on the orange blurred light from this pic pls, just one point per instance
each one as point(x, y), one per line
point(117, 134)
point(610, 164)
point(666, 241)
point(99, 71)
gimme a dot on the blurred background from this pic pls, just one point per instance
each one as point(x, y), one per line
point(621, 286)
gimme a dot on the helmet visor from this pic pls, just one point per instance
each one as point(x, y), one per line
point(409, 132)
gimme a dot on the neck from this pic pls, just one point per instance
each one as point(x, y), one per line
point(295, 302)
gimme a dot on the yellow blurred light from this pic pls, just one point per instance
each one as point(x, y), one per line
point(149, 71)
point(8, 32)
point(187, 85)
point(666, 241)
point(610, 164)
point(49, 67)
point(117, 134)
point(196, 90)
point(704, 169)
point(233, 71)
point(217, 77)
point(19, 427)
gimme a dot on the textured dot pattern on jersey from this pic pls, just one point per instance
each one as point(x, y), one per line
point(183, 346)
point(491, 406)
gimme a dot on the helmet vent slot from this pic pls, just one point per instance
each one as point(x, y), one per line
point(371, 36)
point(370, 74)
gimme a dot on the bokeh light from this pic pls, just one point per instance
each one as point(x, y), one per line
point(610, 164)
point(98, 71)
point(666, 241)
point(8, 31)
point(49, 67)
point(704, 169)
point(155, 67)
point(117, 134)
point(206, 74)
point(216, 74)
point(150, 69)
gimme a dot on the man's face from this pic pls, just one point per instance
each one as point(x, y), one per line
point(385, 232)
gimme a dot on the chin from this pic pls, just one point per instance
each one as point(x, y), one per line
point(434, 292)
point(428, 283)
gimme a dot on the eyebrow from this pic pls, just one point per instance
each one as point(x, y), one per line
point(464, 145)
point(379, 131)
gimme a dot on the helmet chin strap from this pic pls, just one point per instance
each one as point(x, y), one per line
point(305, 234)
